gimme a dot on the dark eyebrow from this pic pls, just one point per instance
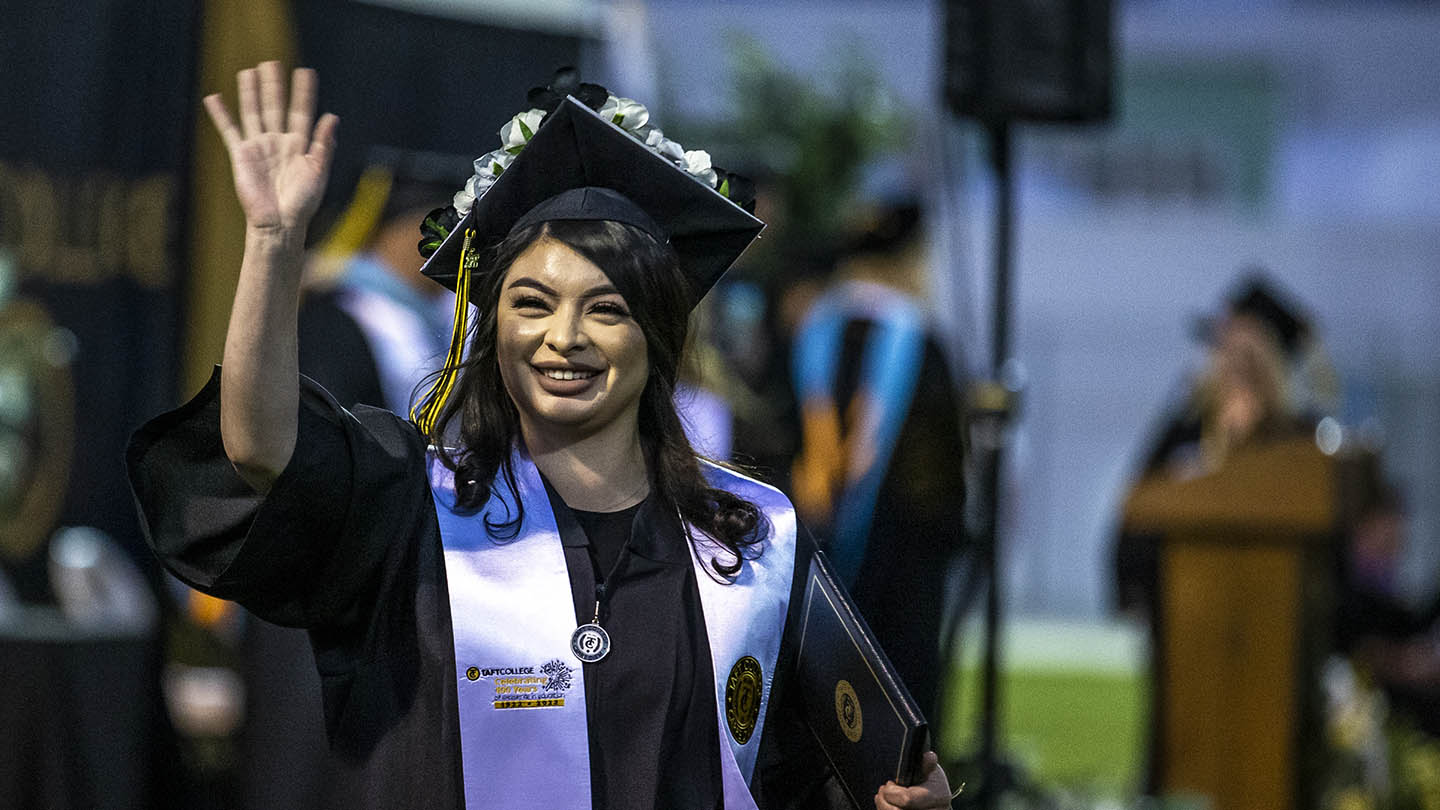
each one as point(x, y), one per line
point(593, 292)
point(526, 281)
point(603, 289)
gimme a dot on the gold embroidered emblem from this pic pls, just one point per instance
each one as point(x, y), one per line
point(847, 711)
point(471, 260)
point(743, 690)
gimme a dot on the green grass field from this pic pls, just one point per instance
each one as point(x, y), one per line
point(1074, 705)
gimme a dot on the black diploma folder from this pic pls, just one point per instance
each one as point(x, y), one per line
point(854, 703)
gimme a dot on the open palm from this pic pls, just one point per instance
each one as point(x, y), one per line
point(280, 157)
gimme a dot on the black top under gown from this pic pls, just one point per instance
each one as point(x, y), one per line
point(347, 545)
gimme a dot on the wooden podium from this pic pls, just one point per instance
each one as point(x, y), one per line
point(1243, 614)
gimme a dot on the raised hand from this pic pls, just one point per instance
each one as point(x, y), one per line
point(279, 155)
point(281, 160)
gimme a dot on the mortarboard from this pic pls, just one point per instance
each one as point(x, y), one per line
point(1259, 298)
point(577, 165)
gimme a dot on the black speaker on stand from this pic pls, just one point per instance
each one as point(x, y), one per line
point(1011, 61)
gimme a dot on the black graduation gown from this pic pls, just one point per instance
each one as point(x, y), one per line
point(918, 525)
point(285, 761)
point(347, 545)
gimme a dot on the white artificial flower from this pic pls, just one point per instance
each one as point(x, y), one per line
point(488, 168)
point(652, 136)
point(493, 164)
point(474, 189)
point(464, 199)
point(670, 150)
point(697, 163)
point(518, 130)
point(625, 112)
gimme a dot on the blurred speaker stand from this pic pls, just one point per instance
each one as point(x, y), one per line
point(1008, 61)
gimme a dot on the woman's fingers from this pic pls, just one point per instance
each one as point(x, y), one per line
point(322, 146)
point(247, 82)
point(280, 155)
point(263, 106)
point(272, 97)
point(302, 101)
point(932, 792)
point(224, 124)
point(894, 796)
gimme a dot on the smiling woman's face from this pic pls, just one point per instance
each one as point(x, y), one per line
point(573, 359)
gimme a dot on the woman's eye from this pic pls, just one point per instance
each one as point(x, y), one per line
point(528, 302)
point(610, 308)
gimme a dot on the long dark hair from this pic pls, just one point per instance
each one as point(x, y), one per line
point(649, 278)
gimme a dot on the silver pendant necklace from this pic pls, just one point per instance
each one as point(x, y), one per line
point(590, 642)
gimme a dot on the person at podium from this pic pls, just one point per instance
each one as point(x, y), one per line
point(1243, 397)
point(1223, 537)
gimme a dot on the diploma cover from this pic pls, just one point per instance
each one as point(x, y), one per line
point(854, 703)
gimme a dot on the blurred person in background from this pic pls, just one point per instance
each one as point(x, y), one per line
point(757, 309)
point(1395, 643)
point(703, 396)
point(371, 332)
point(442, 586)
point(880, 476)
point(1242, 397)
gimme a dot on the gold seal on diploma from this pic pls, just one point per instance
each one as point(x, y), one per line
point(742, 698)
point(847, 711)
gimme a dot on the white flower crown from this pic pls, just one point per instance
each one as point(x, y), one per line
point(626, 113)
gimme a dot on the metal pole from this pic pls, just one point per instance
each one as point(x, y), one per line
point(993, 778)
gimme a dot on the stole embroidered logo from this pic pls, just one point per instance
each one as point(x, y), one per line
point(558, 676)
point(541, 687)
point(847, 711)
point(743, 690)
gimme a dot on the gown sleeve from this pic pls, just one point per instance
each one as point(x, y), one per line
point(314, 551)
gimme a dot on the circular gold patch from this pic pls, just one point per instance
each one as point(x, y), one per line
point(847, 711)
point(473, 673)
point(743, 690)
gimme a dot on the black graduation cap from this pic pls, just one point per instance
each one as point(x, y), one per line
point(580, 166)
point(884, 228)
point(395, 182)
point(1258, 298)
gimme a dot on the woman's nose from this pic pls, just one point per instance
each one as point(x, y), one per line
point(566, 332)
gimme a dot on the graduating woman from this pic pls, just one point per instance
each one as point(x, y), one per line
point(533, 593)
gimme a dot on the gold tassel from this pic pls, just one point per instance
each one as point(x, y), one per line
point(434, 400)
